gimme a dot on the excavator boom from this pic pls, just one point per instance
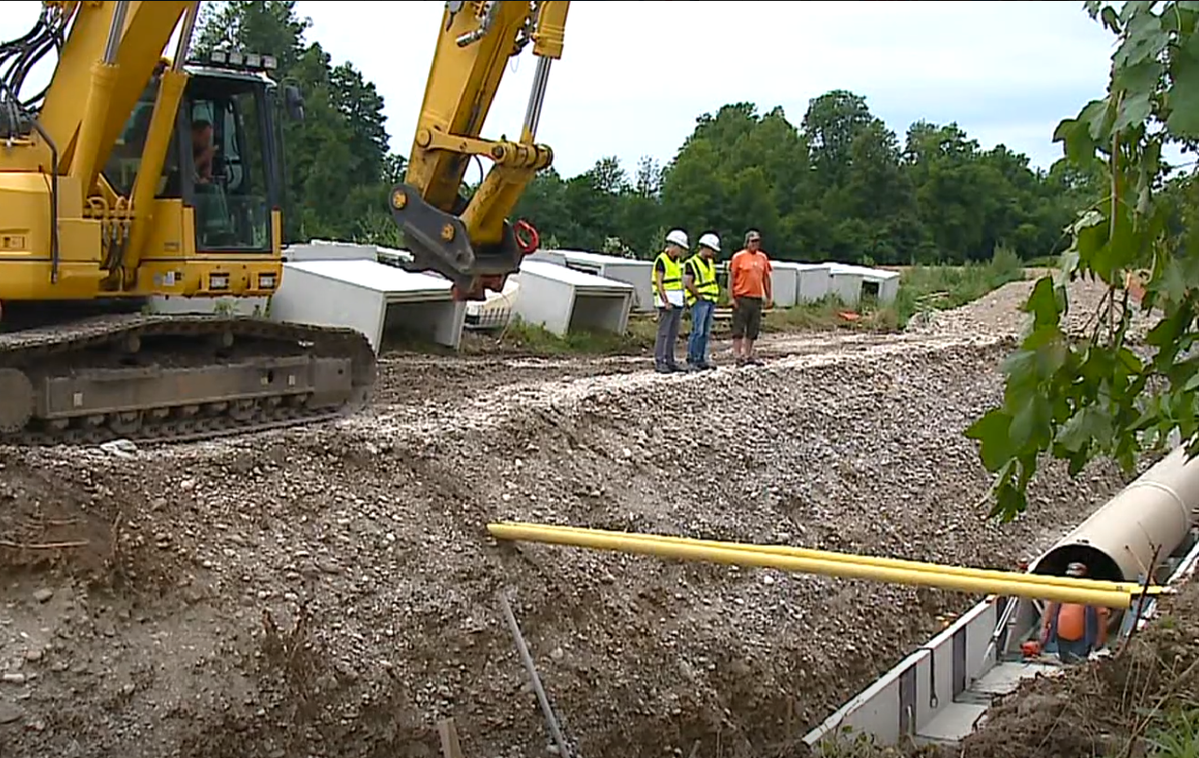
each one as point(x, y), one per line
point(471, 241)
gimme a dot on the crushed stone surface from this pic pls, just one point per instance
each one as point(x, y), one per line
point(331, 591)
point(1000, 312)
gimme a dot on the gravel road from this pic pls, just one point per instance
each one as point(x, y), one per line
point(330, 591)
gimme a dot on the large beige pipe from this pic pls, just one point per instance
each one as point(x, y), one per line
point(1118, 541)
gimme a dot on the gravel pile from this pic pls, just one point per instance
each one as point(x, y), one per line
point(1000, 312)
point(331, 591)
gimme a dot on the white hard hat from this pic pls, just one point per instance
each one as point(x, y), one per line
point(710, 241)
point(678, 237)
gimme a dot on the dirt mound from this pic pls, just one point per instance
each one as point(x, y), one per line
point(331, 591)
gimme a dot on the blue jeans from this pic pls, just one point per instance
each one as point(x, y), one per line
point(701, 332)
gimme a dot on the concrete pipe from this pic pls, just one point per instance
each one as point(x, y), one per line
point(1152, 514)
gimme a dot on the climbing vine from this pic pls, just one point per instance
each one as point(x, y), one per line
point(1100, 393)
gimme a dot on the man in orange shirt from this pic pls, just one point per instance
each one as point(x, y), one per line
point(1077, 629)
point(749, 291)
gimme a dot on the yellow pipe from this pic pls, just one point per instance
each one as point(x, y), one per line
point(867, 560)
point(974, 585)
point(154, 156)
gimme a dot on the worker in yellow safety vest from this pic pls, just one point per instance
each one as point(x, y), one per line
point(668, 297)
point(701, 293)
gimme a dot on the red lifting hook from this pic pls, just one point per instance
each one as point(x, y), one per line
point(527, 238)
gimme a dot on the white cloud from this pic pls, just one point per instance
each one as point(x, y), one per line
point(635, 75)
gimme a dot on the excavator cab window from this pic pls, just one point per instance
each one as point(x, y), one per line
point(232, 192)
point(220, 161)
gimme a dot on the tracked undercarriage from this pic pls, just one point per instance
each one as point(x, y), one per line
point(176, 378)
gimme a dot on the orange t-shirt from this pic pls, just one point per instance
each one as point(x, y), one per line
point(748, 272)
point(1072, 622)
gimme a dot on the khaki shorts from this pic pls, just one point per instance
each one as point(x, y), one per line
point(747, 318)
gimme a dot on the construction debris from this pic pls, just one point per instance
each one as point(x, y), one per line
point(153, 643)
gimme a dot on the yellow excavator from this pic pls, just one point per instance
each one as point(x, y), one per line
point(134, 175)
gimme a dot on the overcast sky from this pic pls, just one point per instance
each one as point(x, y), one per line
point(635, 75)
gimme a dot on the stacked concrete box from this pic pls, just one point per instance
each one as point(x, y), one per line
point(784, 283)
point(639, 274)
point(846, 283)
point(325, 250)
point(883, 283)
point(557, 257)
point(564, 300)
point(813, 281)
point(370, 297)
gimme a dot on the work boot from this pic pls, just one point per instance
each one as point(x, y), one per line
point(662, 369)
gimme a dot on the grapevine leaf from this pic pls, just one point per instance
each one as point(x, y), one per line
point(1042, 303)
point(1184, 97)
point(991, 431)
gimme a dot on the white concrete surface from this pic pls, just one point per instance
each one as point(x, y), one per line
point(813, 281)
point(557, 257)
point(884, 283)
point(638, 273)
point(370, 297)
point(846, 283)
point(784, 283)
point(327, 250)
point(562, 299)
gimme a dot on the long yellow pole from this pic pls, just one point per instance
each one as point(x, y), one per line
point(868, 560)
point(975, 585)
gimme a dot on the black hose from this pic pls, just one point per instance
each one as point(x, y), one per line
point(53, 200)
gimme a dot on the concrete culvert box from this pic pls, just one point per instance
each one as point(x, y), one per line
point(564, 300)
point(784, 283)
point(371, 298)
point(812, 281)
point(846, 283)
point(324, 250)
point(639, 274)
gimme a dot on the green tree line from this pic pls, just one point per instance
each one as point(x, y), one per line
point(840, 186)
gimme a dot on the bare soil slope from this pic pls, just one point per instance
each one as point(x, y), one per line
point(331, 591)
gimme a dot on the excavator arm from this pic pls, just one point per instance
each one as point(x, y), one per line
point(471, 242)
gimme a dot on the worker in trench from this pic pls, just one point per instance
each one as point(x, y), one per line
point(1076, 630)
point(702, 292)
point(750, 292)
point(668, 297)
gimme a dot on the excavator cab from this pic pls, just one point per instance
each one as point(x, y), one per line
point(224, 160)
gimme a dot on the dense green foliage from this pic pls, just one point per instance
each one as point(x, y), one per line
point(838, 187)
point(841, 186)
point(1102, 394)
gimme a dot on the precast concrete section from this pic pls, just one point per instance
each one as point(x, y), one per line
point(940, 692)
point(1149, 518)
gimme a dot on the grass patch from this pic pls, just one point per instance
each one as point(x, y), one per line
point(929, 288)
point(534, 339)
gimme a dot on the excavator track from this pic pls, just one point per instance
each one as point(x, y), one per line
point(176, 378)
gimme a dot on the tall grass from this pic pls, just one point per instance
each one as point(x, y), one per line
point(927, 288)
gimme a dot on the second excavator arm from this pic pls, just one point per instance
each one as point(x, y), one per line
point(472, 243)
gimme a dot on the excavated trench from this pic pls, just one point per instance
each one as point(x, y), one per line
point(331, 591)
